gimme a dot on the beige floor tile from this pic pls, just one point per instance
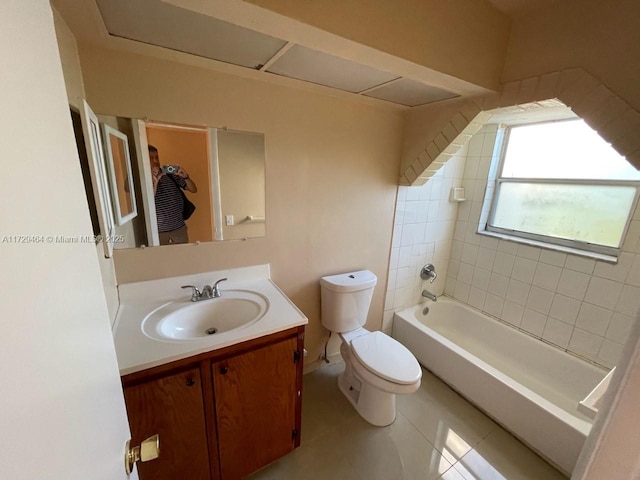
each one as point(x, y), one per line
point(324, 407)
point(434, 429)
point(501, 456)
point(447, 420)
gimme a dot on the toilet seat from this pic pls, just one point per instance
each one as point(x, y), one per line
point(385, 357)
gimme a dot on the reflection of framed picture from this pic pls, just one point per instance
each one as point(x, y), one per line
point(120, 176)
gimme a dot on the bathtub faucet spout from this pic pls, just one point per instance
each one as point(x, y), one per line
point(429, 295)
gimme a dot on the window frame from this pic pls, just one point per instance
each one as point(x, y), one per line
point(544, 240)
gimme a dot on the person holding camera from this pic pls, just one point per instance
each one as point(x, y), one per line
point(167, 182)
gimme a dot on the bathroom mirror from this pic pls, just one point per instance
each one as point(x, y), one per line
point(220, 171)
point(95, 158)
point(118, 162)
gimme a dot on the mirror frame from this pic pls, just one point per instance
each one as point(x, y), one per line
point(95, 152)
point(109, 132)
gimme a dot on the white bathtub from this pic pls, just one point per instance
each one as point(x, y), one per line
point(529, 387)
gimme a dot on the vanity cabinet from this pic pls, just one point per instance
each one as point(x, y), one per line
point(222, 414)
point(171, 406)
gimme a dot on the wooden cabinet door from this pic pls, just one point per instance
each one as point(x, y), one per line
point(255, 407)
point(173, 407)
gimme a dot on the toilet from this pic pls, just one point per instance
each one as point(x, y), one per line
point(377, 367)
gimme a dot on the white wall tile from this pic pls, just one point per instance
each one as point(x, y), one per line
point(518, 291)
point(603, 292)
point(629, 301)
point(616, 271)
point(465, 272)
point(573, 284)
point(498, 285)
point(503, 263)
point(565, 308)
point(493, 305)
point(486, 257)
point(540, 300)
point(413, 193)
point(585, 300)
point(593, 319)
point(610, 353)
point(526, 251)
point(580, 264)
point(632, 240)
point(585, 343)
point(633, 277)
point(553, 258)
point(450, 287)
point(489, 242)
point(512, 313)
point(477, 297)
point(524, 269)
point(470, 253)
point(462, 291)
point(547, 276)
point(619, 327)
point(533, 322)
point(508, 247)
point(481, 278)
point(557, 332)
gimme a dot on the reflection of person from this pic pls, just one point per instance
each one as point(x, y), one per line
point(169, 203)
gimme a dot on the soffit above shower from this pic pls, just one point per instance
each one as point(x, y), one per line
point(160, 24)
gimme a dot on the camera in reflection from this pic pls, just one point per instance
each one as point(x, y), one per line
point(170, 168)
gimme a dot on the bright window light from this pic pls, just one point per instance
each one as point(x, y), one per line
point(561, 183)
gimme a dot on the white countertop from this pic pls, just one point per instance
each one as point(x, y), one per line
point(136, 351)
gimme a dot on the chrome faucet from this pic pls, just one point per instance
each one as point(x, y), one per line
point(428, 271)
point(429, 295)
point(207, 292)
point(215, 290)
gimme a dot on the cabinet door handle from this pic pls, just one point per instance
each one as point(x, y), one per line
point(223, 370)
point(190, 382)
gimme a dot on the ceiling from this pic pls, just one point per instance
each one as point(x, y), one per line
point(157, 23)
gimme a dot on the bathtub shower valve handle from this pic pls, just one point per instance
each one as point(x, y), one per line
point(428, 271)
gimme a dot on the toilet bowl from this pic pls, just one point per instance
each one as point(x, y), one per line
point(377, 367)
point(374, 375)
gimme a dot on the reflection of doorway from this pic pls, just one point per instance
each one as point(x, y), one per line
point(188, 147)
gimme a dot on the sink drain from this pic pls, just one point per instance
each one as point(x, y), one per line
point(425, 310)
point(211, 331)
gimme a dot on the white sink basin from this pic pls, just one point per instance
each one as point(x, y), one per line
point(184, 320)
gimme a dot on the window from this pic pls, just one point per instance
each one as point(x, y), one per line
point(560, 183)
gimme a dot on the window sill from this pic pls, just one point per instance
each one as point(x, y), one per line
point(549, 246)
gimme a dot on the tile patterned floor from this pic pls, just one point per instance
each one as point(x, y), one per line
point(437, 435)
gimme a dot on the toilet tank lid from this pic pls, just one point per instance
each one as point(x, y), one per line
point(350, 281)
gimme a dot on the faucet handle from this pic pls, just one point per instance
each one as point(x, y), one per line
point(215, 290)
point(195, 293)
point(428, 271)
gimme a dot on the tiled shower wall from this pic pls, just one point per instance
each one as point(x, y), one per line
point(578, 304)
point(424, 225)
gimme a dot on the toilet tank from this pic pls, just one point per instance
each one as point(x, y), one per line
point(345, 300)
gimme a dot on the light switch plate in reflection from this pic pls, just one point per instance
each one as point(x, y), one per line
point(229, 219)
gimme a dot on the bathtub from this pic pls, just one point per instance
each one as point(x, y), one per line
point(530, 388)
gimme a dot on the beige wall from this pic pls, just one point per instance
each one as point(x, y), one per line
point(242, 182)
point(68, 49)
point(74, 83)
point(462, 38)
point(57, 360)
point(331, 166)
point(601, 37)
